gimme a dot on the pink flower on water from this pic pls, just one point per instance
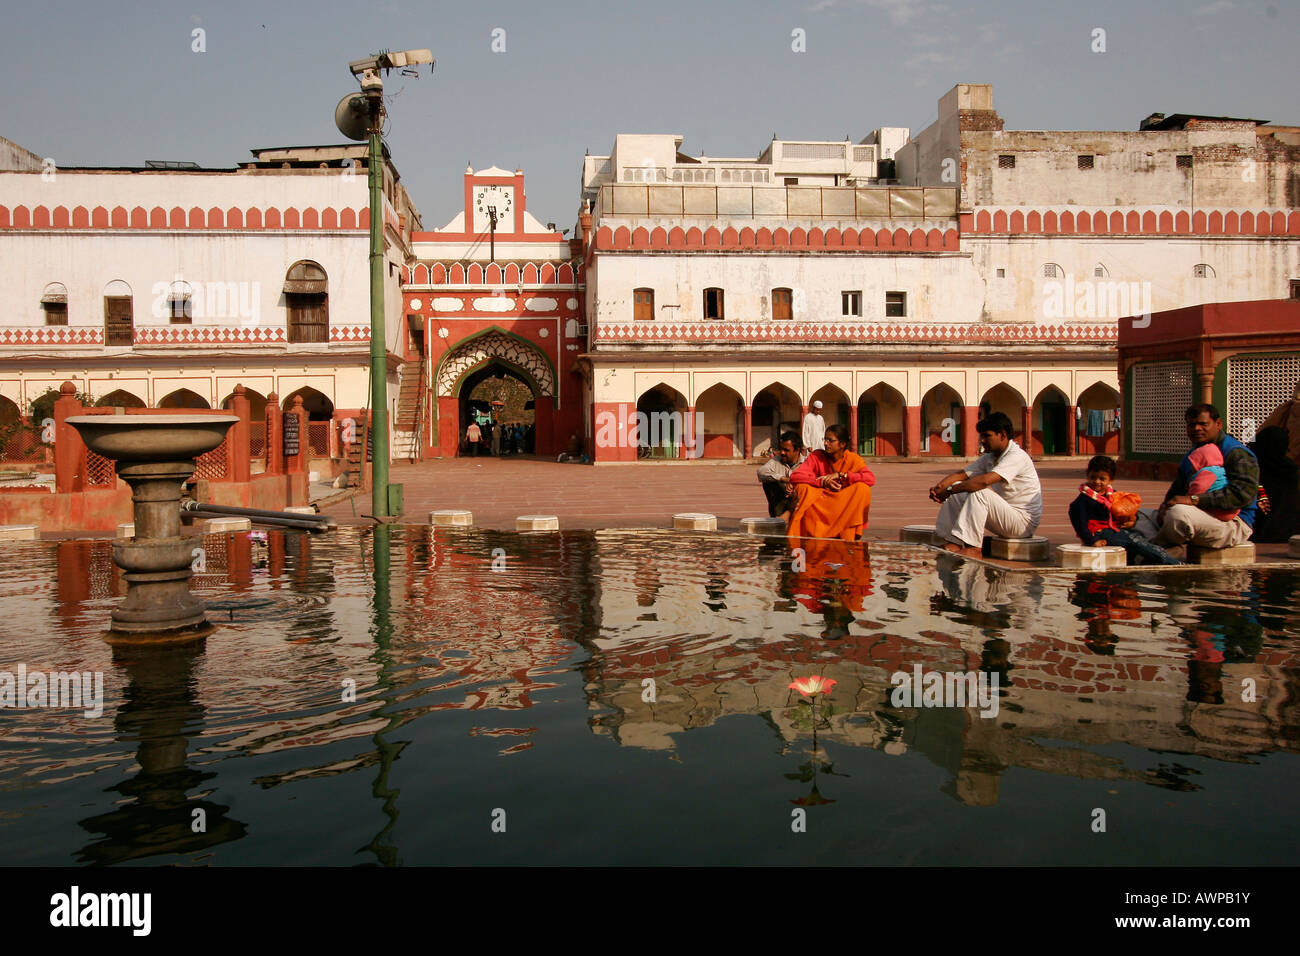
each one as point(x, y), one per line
point(812, 686)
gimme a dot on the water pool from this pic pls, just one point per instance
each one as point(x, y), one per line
point(622, 697)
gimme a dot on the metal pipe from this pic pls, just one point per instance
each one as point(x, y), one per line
point(274, 522)
point(230, 510)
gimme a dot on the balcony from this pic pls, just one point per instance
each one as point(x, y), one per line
point(673, 201)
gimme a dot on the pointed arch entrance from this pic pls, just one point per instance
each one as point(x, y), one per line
point(487, 357)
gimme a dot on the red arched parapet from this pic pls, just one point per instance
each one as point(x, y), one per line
point(139, 218)
point(99, 218)
point(41, 218)
point(1166, 222)
point(80, 217)
point(363, 218)
point(1034, 222)
point(622, 238)
point(816, 239)
point(848, 238)
point(1216, 223)
point(1247, 223)
point(157, 218)
point(4, 217)
point(530, 273)
point(799, 237)
point(867, 238)
point(254, 219)
point(22, 217)
point(547, 274)
point(900, 238)
point(712, 238)
point(917, 239)
point(456, 276)
point(420, 274)
point(1148, 221)
point(999, 221)
point(780, 238)
point(1133, 223)
point(1231, 224)
point(493, 274)
point(1182, 223)
point(62, 220)
point(677, 238)
point(438, 274)
point(1117, 223)
point(730, 238)
point(747, 238)
point(983, 221)
point(1199, 223)
point(604, 238)
point(1083, 222)
point(952, 240)
point(1017, 223)
point(884, 239)
point(216, 218)
point(196, 218)
point(1051, 224)
point(474, 274)
point(1279, 223)
point(1293, 224)
point(1264, 223)
point(1067, 222)
point(763, 238)
point(694, 238)
point(292, 220)
point(348, 218)
point(329, 218)
point(641, 238)
point(564, 274)
point(119, 218)
point(659, 238)
point(176, 218)
point(310, 218)
point(934, 239)
point(511, 275)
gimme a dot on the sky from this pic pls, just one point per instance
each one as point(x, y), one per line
point(97, 84)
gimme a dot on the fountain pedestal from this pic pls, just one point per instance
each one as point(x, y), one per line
point(155, 454)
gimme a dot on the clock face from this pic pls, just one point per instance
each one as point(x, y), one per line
point(499, 197)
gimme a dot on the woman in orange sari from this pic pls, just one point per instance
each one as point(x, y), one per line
point(834, 491)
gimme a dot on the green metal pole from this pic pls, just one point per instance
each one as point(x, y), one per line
point(378, 339)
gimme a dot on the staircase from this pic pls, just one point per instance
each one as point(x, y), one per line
point(356, 456)
point(410, 417)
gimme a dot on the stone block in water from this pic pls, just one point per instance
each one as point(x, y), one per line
point(19, 532)
point(451, 518)
point(537, 523)
point(1241, 554)
point(1091, 559)
point(768, 526)
point(917, 534)
point(1036, 548)
point(695, 521)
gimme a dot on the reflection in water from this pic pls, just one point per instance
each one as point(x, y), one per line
point(158, 715)
point(521, 661)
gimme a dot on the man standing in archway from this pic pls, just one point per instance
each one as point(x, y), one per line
point(473, 438)
point(814, 428)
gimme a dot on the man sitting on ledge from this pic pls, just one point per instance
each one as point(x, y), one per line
point(775, 475)
point(834, 491)
point(1214, 519)
point(999, 493)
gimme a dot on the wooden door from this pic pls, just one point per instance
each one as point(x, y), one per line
point(119, 324)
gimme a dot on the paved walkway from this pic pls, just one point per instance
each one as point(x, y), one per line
point(647, 494)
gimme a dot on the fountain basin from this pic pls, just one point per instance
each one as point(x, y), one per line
point(152, 437)
point(160, 554)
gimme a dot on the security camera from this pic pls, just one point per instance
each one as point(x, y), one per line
point(391, 61)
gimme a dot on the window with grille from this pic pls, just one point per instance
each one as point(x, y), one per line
point(781, 304)
point(1161, 393)
point(690, 175)
point(1202, 271)
point(1183, 162)
point(119, 320)
point(850, 303)
point(1007, 161)
point(1099, 272)
point(863, 154)
point(56, 313)
point(1085, 162)
point(181, 309)
point(895, 304)
point(713, 304)
point(1051, 270)
point(812, 150)
point(643, 305)
point(1295, 288)
point(1257, 386)
point(1002, 273)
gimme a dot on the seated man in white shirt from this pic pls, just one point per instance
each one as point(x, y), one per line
point(774, 475)
point(998, 494)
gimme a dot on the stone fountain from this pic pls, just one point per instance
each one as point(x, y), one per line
point(155, 454)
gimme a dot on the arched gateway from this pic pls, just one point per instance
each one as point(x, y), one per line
point(500, 354)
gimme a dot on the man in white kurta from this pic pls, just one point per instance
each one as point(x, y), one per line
point(999, 493)
point(814, 428)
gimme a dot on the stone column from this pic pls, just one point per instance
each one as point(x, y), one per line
point(911, 431)
point(1205, 379)
point(238, 439)
point(1071, 430)
point(1027, 429)
point(749, 432)
point(853, 428)
point(299, 463)
point(970, 436)
point(688, 433)
point(274, 436)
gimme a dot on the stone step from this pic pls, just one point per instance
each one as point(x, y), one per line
point(20, 532)
point(226, 525)
point(537, 523)
point(451, 518)
point(1091, 559)
point(1241, 554)
point(918, 534)
point(766, 526)
point(695, 521)
point(1036, 548)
